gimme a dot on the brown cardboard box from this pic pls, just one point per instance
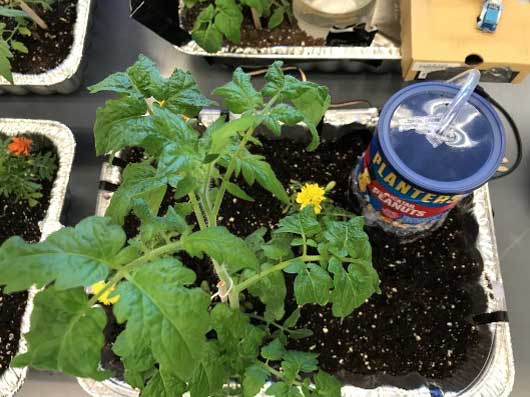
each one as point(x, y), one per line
point(440, 38)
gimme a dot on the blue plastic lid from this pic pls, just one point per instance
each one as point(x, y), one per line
point(460, 160)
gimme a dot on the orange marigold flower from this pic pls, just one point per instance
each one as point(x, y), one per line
point(20, 146)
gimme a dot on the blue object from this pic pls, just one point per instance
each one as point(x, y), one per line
point(490, 16)
point(455, 167)
point(413, 173)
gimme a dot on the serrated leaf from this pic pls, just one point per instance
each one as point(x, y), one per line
point(312, 286)
point(350, 237)
point(72, 342)
point(239, 95)
point(173, 320)
point(221, 245)
point(145, 77)
point(271, 291)
point(229, 19)
point(164, 384)
point(352, 287)
point(236, 191)
point(296, 267)
point(210, 38)
point(255, 168)
point(121, 123)
point(71, 257)
point(5, 65)
point(311, 99)
point(239, 340)
point(304, 361)
point(327, 385)
point(292, 320)
point(140, 181)
point(253, 380)
point(117, 82)
point(184, 95)
point(222, 136)
point(210, 376)
point(275, 80)
point(274, 351)
point(278, 249)
point(302, 223)
point(19, 46)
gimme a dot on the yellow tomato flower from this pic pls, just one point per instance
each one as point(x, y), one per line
point(98, 287)
point(311, 194)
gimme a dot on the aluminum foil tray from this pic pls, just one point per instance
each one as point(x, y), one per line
point(68, 76)
point(63, 140)
point(163, 18)
point(495, 376)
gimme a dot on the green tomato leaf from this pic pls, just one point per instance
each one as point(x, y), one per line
point(184, 95)
point(275, 79)
point(277, 17)
point(18, 46)
point(221, 245)
point(278, 389)
point(271, 291)
point(164, 384)
point(238, 340)
point(140, 181)
point(311, 99)
point(72, 341)
point(173, 320)
point(71, 257)
point(210, 38)
point(292, 320)
point(210, 376)
point(312, 286)
point(117, 82)
point(348, 239)
point(239, 95)
point(146, 79)
point(221, 136)
point(255, 168)
point(120, 123)
point(302, 223)
point(327, 385)
point(254, 379)
point(12, 13)
point(274, 351)
point(236, 191)
point(229, 19)
point(302, 361)
point(5, 65)
point(351, 288)
point(262, 7)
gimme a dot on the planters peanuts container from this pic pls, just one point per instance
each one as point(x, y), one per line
point(413, 173)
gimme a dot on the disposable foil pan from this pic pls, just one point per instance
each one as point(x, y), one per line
point(495, 378)
point(63, 140)
point(382, 55)
point(65, 78)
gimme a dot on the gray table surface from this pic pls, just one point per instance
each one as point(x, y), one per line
point(116, 42)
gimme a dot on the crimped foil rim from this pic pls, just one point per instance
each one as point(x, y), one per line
point(63, 140)
point(374, 52)
point(70, 65)
point(497, 376)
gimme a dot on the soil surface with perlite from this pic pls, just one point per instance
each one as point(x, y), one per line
point(47, 49)
point(18, 219)
point(283, 35)
point(420, 328)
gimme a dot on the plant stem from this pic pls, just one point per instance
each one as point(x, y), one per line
point(256, 19)
point(197, 210)
point(32, 14)
point(228, 285)
point(166, 249)
point(206, 195)
point(278, 374)
point(228, 174)
point(269, 322)
point(280, 266)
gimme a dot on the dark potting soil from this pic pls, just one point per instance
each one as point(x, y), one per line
point(421, 325)
point(285, 34)
point(47, 49)
point(18, 219)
